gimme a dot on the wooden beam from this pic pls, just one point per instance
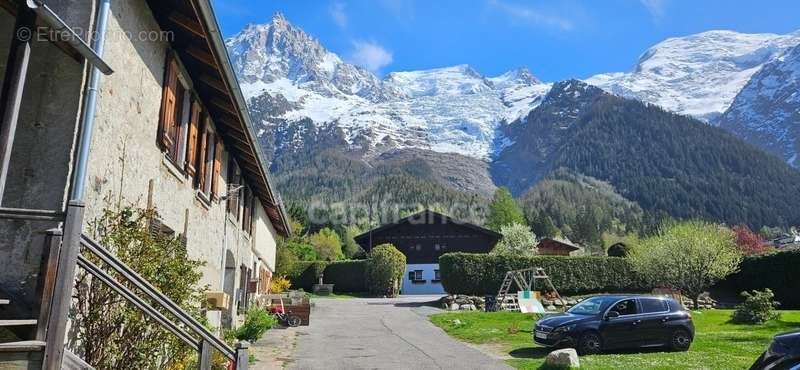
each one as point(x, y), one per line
point(229, 124)
point(213, 82)
point(201, 55)
point(187, 24)
point(224, 105)
point(11, 94)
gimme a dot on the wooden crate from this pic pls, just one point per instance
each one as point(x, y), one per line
point(303, 310)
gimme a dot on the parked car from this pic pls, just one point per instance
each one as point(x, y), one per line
point(618, 321)
point(783, 353)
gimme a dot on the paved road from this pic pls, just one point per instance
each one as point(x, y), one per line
point(381, 334)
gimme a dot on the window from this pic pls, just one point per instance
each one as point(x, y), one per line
point(436, 276)
point(209, 161)
point(176, 111)
point(415, 276)
point(247, 211)
point(626, 307)
point(652, 305)
point(234, 190)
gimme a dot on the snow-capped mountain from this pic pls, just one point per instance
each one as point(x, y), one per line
point(766, 112)
point(697, 75)
point(449, 110)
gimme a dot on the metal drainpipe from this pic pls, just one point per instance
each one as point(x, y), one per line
point(67, 259)
point(90, 106)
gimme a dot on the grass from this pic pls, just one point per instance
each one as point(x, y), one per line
point(718, 343)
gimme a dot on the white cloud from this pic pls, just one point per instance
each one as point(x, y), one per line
point(530, 14)
point(338, 14)
point(370, 55)
point(654, 7)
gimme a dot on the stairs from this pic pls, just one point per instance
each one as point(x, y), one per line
point(17, 353)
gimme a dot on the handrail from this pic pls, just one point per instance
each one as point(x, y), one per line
point(31, 214)
point(154, 294)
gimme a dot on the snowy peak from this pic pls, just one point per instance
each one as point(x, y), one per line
point(766, 112)
point(697, 75)
point(278, 52)
point(455, 80)
point(518, 76)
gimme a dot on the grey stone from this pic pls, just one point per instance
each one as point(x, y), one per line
point(563, 358)
point(454, 307)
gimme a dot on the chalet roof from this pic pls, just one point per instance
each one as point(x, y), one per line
point(431, 217)
point(200, 46)
point(562, 241)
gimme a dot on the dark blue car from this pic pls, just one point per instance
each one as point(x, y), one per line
point(618, 321)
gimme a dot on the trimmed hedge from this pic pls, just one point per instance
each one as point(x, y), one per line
point(779, 271)
point(479, 274)
point(347, 276)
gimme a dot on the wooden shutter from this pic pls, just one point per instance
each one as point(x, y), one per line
point(201, 157)
point(192, 145)
point(168, 104)
point(216, 175)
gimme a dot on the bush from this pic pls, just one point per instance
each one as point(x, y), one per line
point(618, 250)
point(385, 269)
point(479, 274)
point(256, 322)
point(758, 307)
point(279, 285)
point(777, 271)
point(347, 276)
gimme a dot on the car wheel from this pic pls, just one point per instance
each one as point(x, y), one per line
point(680, 341)
point(589, 343)
point(294, 321)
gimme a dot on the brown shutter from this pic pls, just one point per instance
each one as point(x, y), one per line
point(216, 175)
point(191, 152)
point(168, 104)
point(201, 157)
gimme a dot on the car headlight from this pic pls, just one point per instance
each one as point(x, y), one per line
point(563, 329)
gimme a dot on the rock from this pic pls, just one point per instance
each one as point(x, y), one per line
point(571, 302)
point(467, 307)
point(454, 307)
point(457, 322)
point(551, 308)
point(563, 358)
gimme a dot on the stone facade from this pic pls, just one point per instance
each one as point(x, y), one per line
point(126, 165)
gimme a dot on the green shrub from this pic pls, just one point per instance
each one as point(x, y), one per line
point(385, 269)
point(618, 250)
point(479, 274)
point(777, 271)
point(758, 307)
point(256, 322)
point(347, 276)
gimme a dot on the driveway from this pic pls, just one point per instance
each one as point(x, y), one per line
point(381, 334)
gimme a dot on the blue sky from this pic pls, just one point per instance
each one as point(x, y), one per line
point(556, 40)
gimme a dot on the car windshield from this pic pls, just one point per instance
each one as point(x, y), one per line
point(592, 306)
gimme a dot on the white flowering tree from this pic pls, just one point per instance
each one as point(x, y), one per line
point(517, 240)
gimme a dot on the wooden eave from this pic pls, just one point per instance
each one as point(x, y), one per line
point(192, 41)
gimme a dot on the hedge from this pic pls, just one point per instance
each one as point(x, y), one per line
point(347, 276)
point(779, 271)
point(479, 274)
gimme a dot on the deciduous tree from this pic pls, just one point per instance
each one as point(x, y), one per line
point(690, 256)
point(517, 240)
point(504, 210)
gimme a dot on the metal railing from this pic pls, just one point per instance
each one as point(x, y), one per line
point(191, 328)
point(30, 214)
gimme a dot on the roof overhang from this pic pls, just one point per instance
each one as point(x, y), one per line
point(200, 45)
point(437, 218)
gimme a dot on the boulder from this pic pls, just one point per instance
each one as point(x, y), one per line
point(563, 358)
point(550, 308)
point(454, 307)
point(467, 307)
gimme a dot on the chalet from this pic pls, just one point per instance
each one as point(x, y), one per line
point(112, 102)
point(556, 247)
point(423, 237)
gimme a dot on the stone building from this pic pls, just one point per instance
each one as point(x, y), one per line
point(166, 127)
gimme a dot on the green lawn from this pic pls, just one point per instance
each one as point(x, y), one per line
point(717, 345)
